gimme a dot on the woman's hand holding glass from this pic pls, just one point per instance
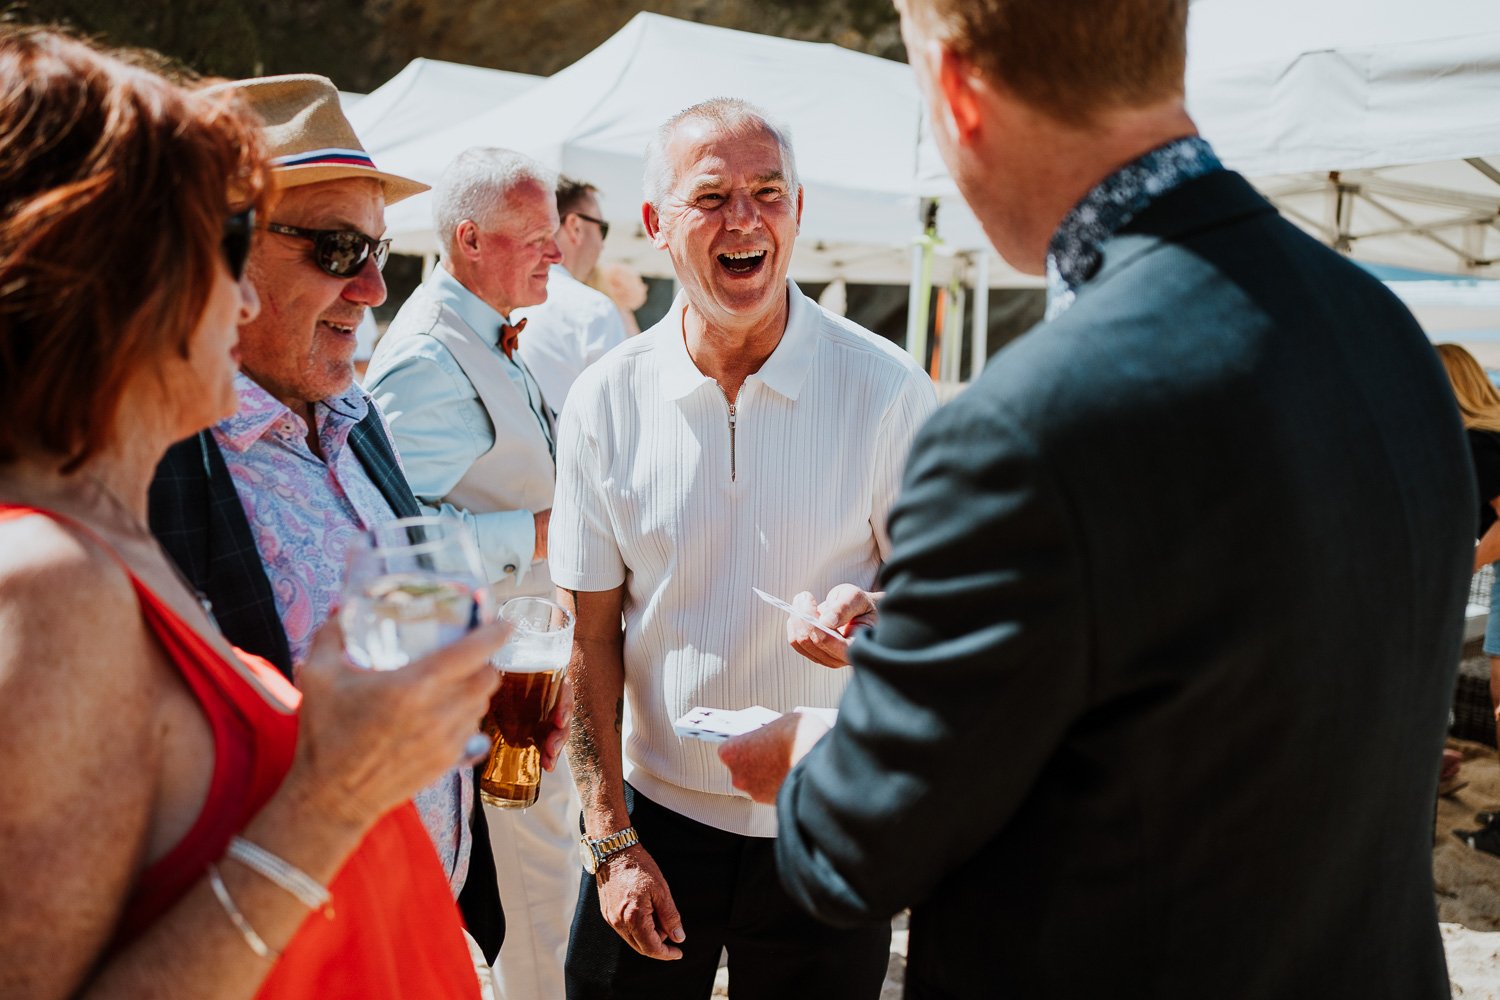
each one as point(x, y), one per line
point(371, 739)
point(393, 689)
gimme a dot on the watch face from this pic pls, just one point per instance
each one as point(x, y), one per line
point(586, 851)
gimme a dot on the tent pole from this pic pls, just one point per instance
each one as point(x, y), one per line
point(953, 332)
point(919, 298)
point(915, 304)
point(981, 333)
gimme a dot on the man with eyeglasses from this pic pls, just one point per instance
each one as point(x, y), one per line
point(258, 510)
point(577, 325)
point(475, 431)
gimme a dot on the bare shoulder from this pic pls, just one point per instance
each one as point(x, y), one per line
point(72, 639)
point(45, 567)
point(79, 676)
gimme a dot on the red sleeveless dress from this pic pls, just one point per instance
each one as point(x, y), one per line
point(396, 932)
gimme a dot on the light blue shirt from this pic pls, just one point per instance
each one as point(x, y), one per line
point(441, 427)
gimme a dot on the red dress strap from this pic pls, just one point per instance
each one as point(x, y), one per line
point(397, 928)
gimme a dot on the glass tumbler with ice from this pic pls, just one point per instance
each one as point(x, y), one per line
point(413, 585)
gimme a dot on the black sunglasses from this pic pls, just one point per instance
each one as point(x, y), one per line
point(238, 230)
point(339, 252)
point(603, 226)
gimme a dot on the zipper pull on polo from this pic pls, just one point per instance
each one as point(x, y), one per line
point(732, 420)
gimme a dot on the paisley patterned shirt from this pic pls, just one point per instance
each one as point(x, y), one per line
point(303, 511)
point(1073, 255)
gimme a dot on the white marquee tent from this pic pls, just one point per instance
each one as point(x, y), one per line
point(1371, 123)
point(854, 119)
point(427, 95)
point(1374, 124)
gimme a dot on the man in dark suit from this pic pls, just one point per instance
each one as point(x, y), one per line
point(1180, 548)
point(258, 510)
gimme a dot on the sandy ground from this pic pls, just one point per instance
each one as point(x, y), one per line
point(1467, 884)
point(1468, 881)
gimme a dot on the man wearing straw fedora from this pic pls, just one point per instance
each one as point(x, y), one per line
point(259, 509)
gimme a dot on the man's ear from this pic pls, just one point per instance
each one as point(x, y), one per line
point(959, 84)
point(652, 222)
point(799, 209)
point(466, 238)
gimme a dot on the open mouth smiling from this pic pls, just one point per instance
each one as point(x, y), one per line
point(742, 262)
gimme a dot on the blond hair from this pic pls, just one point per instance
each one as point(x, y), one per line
point(1478, 399)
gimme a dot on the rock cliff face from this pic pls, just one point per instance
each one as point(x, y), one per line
point(362, 43)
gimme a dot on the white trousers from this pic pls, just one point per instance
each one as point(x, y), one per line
point(537, 866)
point(481, 969)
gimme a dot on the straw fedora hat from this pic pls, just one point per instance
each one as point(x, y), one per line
point(307, 135)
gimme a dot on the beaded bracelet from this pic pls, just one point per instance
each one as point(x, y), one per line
point(308, 890)
point(254, 940)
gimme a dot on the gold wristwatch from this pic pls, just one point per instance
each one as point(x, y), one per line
point(595, 852)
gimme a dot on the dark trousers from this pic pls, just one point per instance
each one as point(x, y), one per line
point(726, 889)
point(479, 902)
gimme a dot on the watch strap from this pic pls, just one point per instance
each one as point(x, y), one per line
point(604, 847)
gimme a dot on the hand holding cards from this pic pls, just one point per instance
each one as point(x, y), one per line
point(781, 605)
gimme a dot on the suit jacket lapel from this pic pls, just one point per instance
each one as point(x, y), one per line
point(376, 454)
point(196, 513)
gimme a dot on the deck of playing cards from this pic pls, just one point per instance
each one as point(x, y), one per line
point(718, 724)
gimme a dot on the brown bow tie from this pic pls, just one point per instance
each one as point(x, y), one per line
point(510, 336)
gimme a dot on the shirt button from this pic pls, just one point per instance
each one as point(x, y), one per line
point(510, 567)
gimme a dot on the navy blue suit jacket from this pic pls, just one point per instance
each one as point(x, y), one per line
point(197, 515)
point(1156, 698)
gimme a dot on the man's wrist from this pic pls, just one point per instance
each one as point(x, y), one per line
point(595, 852)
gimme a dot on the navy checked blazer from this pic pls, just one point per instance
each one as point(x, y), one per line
point(197, 515)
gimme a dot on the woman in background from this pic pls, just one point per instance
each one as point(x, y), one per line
point(625, 288)
point(172, 823)
point(1479, 406)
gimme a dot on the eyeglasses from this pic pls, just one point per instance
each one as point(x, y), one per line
point(603, 226)
point(339, 252)
point(238, 230)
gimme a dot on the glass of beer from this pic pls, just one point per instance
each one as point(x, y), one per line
point(413, 585)
point(531, 665)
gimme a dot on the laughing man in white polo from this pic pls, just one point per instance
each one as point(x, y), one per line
point(749, 439)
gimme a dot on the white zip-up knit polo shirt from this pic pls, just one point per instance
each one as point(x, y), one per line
point(689, 504)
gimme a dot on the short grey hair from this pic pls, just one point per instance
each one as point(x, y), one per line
point(477, 184)
point(729, 114)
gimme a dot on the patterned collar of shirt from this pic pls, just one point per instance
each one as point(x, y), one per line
point(303, 512)
point(1075, 251)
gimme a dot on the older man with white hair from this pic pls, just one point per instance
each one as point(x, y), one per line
point(749, 439)
point(476, 437)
